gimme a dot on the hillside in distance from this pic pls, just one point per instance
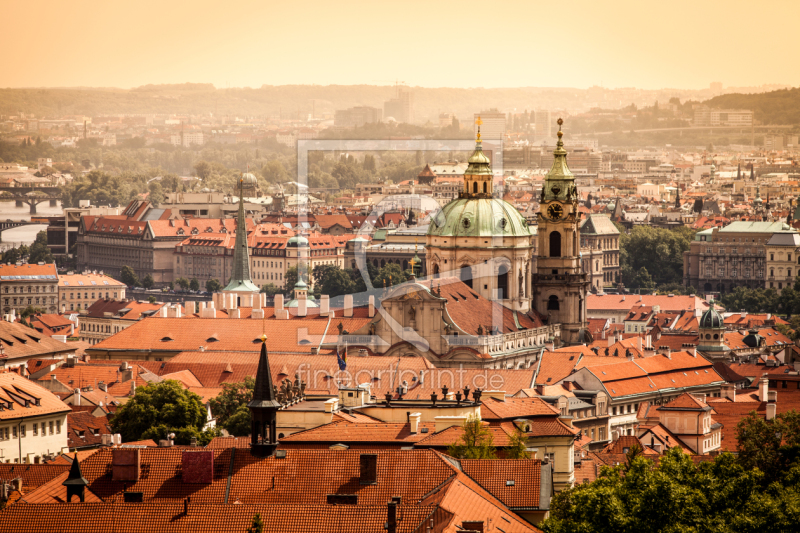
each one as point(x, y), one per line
point(775, 107)
point(284, 100)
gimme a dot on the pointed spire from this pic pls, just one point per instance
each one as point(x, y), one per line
point(752, 173)
point(678, 198)
point(75, 482)
point(559, 182)
point(739, 171)
point(263, 393)
point(240, 279)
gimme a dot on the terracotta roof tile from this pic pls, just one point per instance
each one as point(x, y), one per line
point(494, 475)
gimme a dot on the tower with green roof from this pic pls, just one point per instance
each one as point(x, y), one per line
point(560, 285)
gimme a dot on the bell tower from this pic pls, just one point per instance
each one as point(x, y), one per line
point(560, 286)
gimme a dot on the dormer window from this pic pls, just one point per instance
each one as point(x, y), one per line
point(166, 339)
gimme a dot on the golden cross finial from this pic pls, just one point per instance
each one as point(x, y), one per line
point(479, 122)
point(560, 121)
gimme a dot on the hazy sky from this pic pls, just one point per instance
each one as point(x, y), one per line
point(431, 43)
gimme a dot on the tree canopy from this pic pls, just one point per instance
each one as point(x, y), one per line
point(230, 407)
point(653, 256)
point(158, 409)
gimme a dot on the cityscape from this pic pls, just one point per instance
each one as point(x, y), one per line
point(327, 275)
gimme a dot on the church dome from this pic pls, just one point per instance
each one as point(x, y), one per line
point(478, 217)
point(711, 320)
point(249, 180)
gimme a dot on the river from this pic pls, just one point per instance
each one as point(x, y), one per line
point(25, 234)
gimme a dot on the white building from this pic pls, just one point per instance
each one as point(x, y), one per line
point(33, 422)
point(493, 125)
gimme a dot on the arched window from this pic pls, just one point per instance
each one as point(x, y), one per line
point(771, 272)
point(466, 275)
point(435, 271)
point(475, 186)
point(484, 187)
point(788, 272)
point(502, 282)
point(552, 303)
point(405, 264)
point(555, 244)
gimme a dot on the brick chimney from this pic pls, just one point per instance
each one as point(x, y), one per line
point(391, 515)
point(348, 305)
point(728, 390)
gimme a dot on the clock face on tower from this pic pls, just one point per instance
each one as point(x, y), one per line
point(555, 211)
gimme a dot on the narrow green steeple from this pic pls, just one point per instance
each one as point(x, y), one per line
point(559, 184)
point(240, 280)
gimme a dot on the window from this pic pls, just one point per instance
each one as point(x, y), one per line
point(22, 431)
point(51, 427)
point(35, 429)
point(58, 427)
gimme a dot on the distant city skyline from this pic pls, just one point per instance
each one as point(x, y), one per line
point(240, 43)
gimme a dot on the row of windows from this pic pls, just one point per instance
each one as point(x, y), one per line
point(86, 295)
point(38, 430)
point(30, 289)
point(31, 301)
point(624, 409)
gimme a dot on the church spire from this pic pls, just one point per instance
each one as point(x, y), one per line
point(75, 482)
point(263, 407)
point(240, 280)
point(559, 184)
point(478, 178)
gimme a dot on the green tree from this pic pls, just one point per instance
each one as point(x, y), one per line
point(675, 496)
point(518, 446)
point(158, 409)
point(213, 285)
point(333, 281)
point(156, 196)
point(476, 441)
point(30, 311)
point(128, 276)
point(194, 284)
point(391, 274)
point(772, 446)
point(230, 406)
point(147, 282)
point(183, 283)
point(202, 169)
point(39, 251)
point(659, 251)
point(151, 299)
point(271, 289)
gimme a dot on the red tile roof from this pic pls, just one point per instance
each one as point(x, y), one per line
point(494, 475)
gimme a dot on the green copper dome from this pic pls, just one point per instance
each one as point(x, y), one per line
point(478, 217)
point(712, 320)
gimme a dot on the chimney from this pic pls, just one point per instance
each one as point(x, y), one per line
point(368, 469)
point(763, 385)
point(771, 409)
point(125, 464)
point(414, 419)
point(257, 313)
point(133, 387)
point(301, 307)
point(371, 305)
point(348, 305)
point(72, 329)
point(278, 303)
point(728, 390)
point(77, 399)
point(743, 314)
point(324, 305)
point(539, 390)
point(391, 515)
point(612, 339)
point(639, 343)
point(197, 467)
point(568, 385)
